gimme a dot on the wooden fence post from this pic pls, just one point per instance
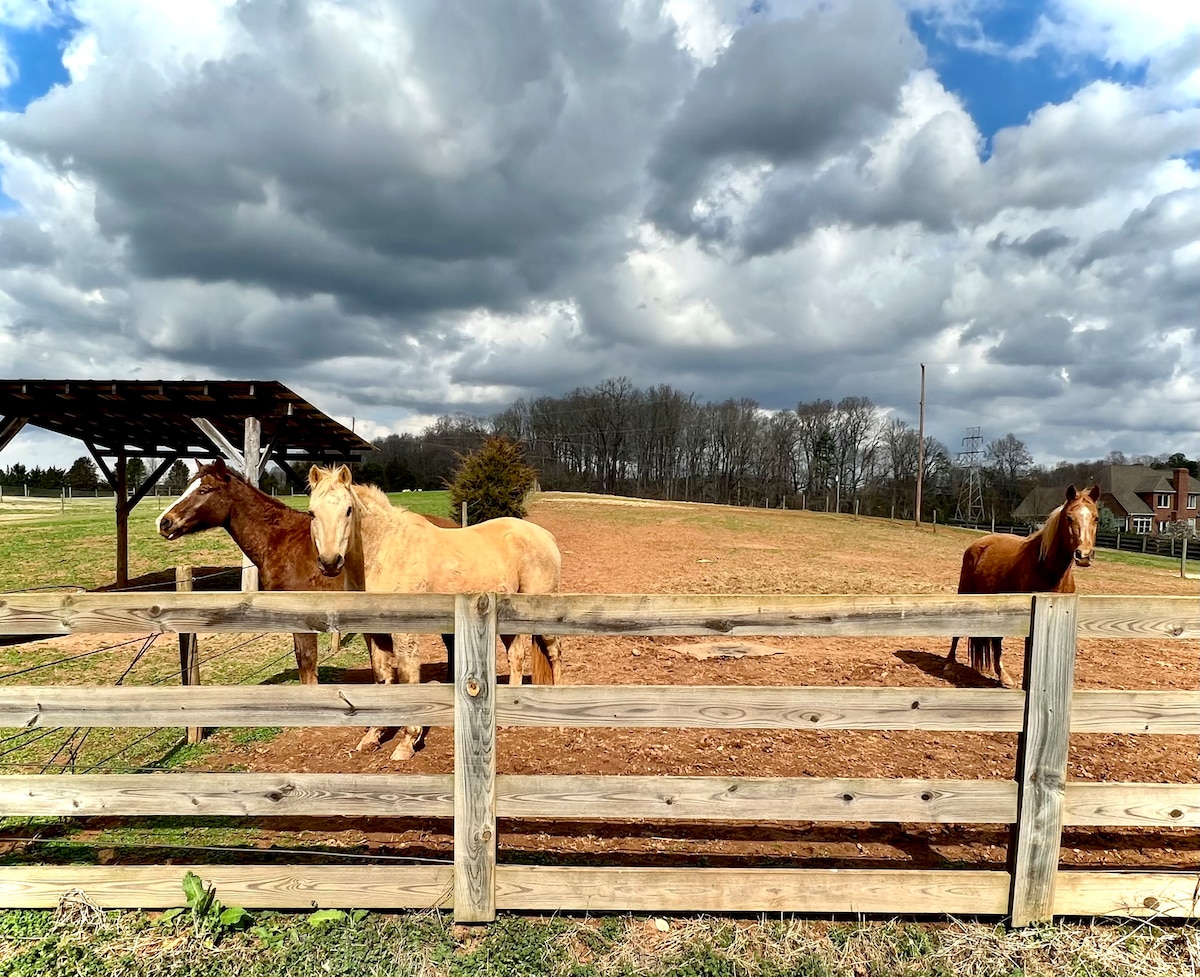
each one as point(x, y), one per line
point(474, 758)
point(1042, 757)
point(189, 661)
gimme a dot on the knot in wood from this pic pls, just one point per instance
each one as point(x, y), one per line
point(473, 687)
point(482, 603)
point(1150, 902)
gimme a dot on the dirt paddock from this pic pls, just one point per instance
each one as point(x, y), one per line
point(678, 548)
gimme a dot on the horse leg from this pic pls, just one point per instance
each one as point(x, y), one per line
point(547, 660)
point(951, 659)
point(448, 641)
point(516, 658)
point(379, 649)
point(1002, 675)
point(406, 669)
point(306, 657)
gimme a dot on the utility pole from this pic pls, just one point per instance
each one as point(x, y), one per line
point(920, 449)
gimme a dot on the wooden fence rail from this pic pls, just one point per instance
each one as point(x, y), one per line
point(1038, 803)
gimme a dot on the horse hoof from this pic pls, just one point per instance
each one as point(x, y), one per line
point(369, 743)
point(405, 751)
point(948, 668)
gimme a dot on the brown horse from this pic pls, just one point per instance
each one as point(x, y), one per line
point(274, 536)
point(1042, 563)
point(402, 554)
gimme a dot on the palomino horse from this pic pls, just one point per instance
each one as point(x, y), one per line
point(1042, 563)
point(275, 537)
point(403, 554)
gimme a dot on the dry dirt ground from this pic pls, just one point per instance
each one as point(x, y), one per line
point(682, 548)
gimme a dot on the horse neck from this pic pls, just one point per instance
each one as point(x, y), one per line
point(1055, 565)
point(377, 525)
point(247, 522)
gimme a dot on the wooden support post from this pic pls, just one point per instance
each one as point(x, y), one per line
point(189, 661)
point(475, 758)
point(120, 486)
point(1042, 757)
point(250, 455)
point(1183, 559)
point(464, 513)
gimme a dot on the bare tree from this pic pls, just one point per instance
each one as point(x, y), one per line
point(1009, 461)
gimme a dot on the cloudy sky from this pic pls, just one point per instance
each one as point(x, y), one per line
point(403, 208)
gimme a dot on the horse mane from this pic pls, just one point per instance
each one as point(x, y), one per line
point(1049, 532)
point(373, 497)
point(203, 470)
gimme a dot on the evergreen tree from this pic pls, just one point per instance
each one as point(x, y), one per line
point(178, 477)
point(83, 474)
point(135, 474)
point(493, 481)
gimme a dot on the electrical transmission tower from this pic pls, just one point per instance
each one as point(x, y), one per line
point(970, 494)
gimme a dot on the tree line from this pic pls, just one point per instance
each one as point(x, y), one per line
point(660, 442)
point(84, 476)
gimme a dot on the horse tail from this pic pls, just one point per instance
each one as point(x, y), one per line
point(545, 653)
point(982, 654)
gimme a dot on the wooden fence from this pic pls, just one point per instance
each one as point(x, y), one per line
point(1038, 803)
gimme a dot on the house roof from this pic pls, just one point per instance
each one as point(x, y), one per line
point(155, 417)
point(1126, 484)
point(1139, 479)
point(1039, 503)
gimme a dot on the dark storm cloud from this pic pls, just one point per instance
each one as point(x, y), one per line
point(286, 168)
point(1037, 245)
point(1037, 341)
point(789, 92)
point(1168, 221)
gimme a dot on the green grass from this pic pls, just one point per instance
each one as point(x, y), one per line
point(82, 942)
point(47, 547)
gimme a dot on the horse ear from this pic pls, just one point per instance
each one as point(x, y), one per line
point(314, 477)
point(1094, 492)
point(343, 475)
point(1071, 493)
point(219, 468)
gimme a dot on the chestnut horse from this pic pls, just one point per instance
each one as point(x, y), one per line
point(274, 536)
point(1042, 563)
point(403, 554)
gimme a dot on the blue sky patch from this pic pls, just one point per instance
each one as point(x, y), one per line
point(1000, 91)
point(38, 57)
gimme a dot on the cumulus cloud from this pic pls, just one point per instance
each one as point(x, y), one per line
point(405, 209)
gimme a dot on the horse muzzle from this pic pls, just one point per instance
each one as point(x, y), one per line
point(331, 567)
point(1084, 559)
point(167, 529)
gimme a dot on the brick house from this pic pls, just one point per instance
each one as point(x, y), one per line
point(1143, 499)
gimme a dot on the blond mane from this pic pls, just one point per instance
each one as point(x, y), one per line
point(1049, 532)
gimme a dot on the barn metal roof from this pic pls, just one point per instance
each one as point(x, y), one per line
point(154, 417)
